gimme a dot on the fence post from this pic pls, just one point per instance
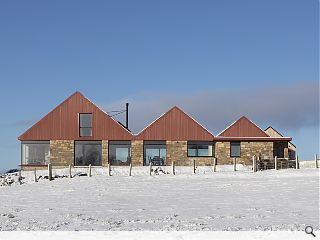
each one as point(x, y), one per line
point(70, 175)
point(130, 169)
point(275, 163)
point(214, 164)
point(150, 168)
point(297, 162)
point(49, 172)
point(194, 166)
point(316, 160)
point(254, 164)
point(234, 164)
point(89, 170)
point(109, 169)
point(35, 175)
point(19, 177)
point(173, 170)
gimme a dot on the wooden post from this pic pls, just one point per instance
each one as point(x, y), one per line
point(89, 170)
point(234, 164)
point(173, 170)
point(150, 168)
point(35, 175)
point(214, 164)
point(194, 166)
point(109, 169)
point(316, 161)
point(70, 175)
point(254, 163)
point(20, 177)
point(297, 162)
point(130, 169)
point(275, 163)
point(49, 172)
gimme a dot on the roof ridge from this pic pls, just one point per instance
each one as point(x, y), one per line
point(245, 117)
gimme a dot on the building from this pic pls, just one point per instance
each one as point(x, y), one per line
point(292, 149)
point(79, 133)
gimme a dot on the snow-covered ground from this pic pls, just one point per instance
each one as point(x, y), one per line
point(225, 200)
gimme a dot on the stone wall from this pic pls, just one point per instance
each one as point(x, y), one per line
point(62, 152)
point(247, 150)
point(105, 149)
point(177, 151)
point(137, 153)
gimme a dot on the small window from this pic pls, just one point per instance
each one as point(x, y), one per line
point(200, 149)
point(85, 124)
point(234, 149)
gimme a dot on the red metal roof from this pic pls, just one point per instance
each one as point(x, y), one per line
point(62, 123)
point(175, 125)
point(243, 127)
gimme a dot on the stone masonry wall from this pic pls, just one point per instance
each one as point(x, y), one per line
point(247, 150)
point(137, 153)
point(105, 149)
point(62, 152)
point(177, 151)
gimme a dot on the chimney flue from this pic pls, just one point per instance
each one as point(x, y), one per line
point(127, 116)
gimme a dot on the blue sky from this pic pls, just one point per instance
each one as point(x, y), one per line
point(218, 60)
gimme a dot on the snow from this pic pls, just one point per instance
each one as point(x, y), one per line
point(224, 200)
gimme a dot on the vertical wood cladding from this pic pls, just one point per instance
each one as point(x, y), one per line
point(243, 128)
point(175, 125)
point(62, 123)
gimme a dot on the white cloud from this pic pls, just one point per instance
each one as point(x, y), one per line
point(283, 106)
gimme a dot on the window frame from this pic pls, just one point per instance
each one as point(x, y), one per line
point(120, 143)
point(199, 143)
point(47, 142)
point(83, 142)
point(79, 122)
point(233, 142)
point(154, 143)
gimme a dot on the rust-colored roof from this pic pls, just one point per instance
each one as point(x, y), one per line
point(62, 123)
point(175, 125)
point(243, 127)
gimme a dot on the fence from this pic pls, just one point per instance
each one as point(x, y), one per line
point(276, 163)
point(70, 172)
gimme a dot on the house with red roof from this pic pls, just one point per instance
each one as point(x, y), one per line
point(79, 133)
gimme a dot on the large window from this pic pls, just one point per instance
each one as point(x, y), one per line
point(200, 149)
point(88, 152)
point(155, 152)
point(85, 124)
point(234, 149)
point(119, 152)
point(35, 152)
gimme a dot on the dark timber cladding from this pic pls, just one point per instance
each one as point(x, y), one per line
point(59, 124)
point(175, 125)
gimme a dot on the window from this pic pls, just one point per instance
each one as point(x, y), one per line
point(35, 152)
point(88, 152)
point(200, 149)
point(85, 124)
point(119, 152)
point(234, 149)
point(155, 152)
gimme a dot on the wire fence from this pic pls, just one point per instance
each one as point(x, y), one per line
point(282, 163)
